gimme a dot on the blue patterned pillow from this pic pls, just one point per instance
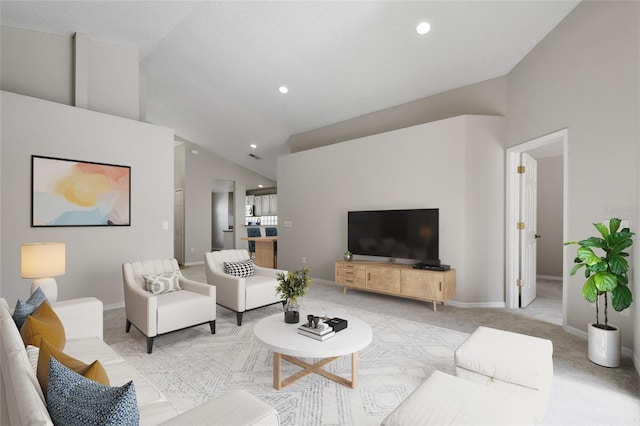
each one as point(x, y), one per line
point(26, 308)
point(241, 269)
point(75, 400)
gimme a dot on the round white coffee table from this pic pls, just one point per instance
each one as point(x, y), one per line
point(285, 343)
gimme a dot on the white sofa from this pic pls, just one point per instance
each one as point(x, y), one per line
point(444, 399)
point(241, 294)
point(22, 402)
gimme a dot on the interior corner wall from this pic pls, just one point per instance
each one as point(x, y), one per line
point(94, 255)
point(200, 170)
point(456, 165)
point(587, 81)
point(636, 253)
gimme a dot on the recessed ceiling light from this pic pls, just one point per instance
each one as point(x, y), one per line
point(283, 89)
point(253, 145)
point(423, 28)
point(260, 186)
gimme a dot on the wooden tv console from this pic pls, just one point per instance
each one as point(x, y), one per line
point(397, 280)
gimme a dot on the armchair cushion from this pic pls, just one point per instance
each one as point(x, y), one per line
point(43, 323)
point(240, 269)
point(163, 283)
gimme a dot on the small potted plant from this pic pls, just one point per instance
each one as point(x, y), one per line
point(292, 286)
point(348, 256)
point(606, 276)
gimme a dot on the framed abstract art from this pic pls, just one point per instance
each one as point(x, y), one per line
point(79, 193)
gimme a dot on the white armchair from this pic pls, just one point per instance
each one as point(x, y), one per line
point(241, 294)
point(155, 314)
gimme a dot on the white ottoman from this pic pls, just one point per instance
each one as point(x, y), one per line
point(443, 399)
point(511, 362)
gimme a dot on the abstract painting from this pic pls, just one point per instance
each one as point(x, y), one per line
point(79, 193)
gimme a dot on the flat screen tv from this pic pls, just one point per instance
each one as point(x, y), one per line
point(402, 234)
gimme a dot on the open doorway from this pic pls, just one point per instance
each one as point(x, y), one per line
point(541, 295)
point(222, 214)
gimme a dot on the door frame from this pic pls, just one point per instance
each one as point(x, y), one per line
point(512, 212)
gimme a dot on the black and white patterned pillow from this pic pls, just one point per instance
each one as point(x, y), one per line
point(163, 283)
point(241, 269)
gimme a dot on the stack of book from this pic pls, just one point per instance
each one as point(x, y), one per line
point(316, 333)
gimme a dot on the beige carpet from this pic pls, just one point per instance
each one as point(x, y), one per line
point(583, 393)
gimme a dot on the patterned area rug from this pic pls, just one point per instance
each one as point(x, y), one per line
point(192, 366)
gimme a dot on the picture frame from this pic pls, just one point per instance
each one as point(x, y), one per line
point(68, 192)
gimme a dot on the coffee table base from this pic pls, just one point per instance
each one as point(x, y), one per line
point(278, 383)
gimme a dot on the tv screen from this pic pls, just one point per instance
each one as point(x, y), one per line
point(405, 234)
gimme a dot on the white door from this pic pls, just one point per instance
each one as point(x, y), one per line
point(528, 228)
point(178, 226)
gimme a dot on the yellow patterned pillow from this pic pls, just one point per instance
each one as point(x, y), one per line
point(94, 371)
point(43, 323)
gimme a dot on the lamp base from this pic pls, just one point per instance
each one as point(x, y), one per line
point(48, 286)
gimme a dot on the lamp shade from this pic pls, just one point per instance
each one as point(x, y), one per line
point(41, 260)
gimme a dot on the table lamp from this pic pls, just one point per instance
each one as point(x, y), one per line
point(43, 261)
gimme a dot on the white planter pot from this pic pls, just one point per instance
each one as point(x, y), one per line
point(604, 346)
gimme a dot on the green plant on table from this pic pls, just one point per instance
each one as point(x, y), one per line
point(293, 284)
point(605, 273)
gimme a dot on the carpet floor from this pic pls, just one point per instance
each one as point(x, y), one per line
point(410, 342)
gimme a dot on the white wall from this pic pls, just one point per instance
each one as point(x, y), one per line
point(584, 76)
point(549, 253)
point(37, 64)
point(455, 165)
point(43, 65)
point(113, 79)
point(32, 126)
point(483, 98)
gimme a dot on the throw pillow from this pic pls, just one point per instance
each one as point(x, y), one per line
point(76, 400)
point(94, 371)
point(43, 323)
point(241, 269)
point(25, 308)
point(164, 283)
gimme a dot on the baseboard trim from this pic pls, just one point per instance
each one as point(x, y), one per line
point(457, 304)
point(194, 263)
point(549, 277)
point(113, 306)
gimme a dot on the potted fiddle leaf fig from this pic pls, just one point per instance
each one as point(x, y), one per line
point(292, 286)
point(605, 269)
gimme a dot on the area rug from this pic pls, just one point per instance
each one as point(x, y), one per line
point(192, 366)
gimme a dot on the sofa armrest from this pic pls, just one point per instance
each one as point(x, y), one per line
point(267, 272)
point(230, 290)
point(198, 287)
point(141, 308)
point(81, 318)
point(234, 408)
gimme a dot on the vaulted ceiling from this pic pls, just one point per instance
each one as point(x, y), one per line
point(212, 69)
